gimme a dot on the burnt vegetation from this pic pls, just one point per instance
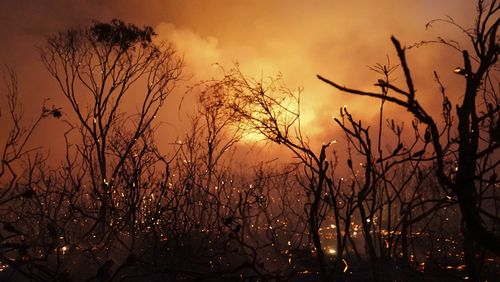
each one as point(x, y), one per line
point(412, 201)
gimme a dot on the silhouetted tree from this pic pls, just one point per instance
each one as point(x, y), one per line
point(99, 70)
point(271, 109)
point(473, 148)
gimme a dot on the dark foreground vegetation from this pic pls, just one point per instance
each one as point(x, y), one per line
point(414, 201)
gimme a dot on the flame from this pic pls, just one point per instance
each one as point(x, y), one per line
point(346, 265)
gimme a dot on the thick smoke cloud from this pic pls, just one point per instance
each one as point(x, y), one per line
point(299, 39)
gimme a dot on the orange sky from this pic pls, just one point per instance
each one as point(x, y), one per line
point(300, 39)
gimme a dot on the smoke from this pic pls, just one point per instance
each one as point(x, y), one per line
point(297, 39)
point(199, 52)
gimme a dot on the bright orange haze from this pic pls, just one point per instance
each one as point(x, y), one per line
point(337, 39)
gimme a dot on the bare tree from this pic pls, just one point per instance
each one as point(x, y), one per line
point(271, 109)
point(19, 159)
point(104, 70)
point(473, 148)
point(18, 135)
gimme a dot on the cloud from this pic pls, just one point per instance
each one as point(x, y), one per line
point(299, 39)
point(200, 52)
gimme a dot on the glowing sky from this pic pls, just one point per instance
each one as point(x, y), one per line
point(300, 39)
